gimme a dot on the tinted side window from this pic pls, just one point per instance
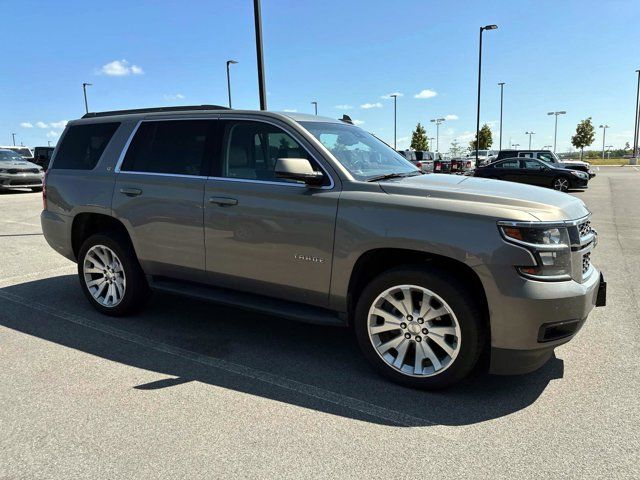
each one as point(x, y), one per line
point(83, 145)
point(252, 148)
point(532, 165)
point(509, 164)
point(174, 147)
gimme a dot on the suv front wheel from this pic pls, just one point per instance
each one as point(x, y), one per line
point(110, 274)
point(419, 327)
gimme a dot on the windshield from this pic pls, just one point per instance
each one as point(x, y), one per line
point(6, 155)
point(362, 154)
point(24, 151)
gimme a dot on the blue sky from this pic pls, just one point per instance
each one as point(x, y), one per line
point(578, 56)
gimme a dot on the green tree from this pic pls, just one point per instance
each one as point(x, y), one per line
point(455, 150)
point(419, 140)
point(626, 146)
point(585, 135)
point(486, 139)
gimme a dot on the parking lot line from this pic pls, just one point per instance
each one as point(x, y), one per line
point(344, 401)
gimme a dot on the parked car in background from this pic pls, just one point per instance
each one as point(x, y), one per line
point(16, 172)
point(462, 166)
point(484, 156)
point(549, 157)
point(534, 172)
point(433, 272)
point(24, 152)
point(42, 156)
point(424, 160)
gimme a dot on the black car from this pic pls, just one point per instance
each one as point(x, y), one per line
point(549, 157)
point(42, 156)
point(534, 172)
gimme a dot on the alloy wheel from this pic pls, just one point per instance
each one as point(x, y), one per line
point(414, 330)
point(104, 276)
point(561, 184)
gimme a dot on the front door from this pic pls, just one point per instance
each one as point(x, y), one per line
point(264, 234)
point(159, 195)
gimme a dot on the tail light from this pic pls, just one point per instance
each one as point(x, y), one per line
point(44, 190)
point(419, 165)
point(469, 164)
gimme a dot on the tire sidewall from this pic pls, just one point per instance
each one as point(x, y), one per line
point(459, 299)
point(129, 266)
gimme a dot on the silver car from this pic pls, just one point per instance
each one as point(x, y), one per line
point(16, 172)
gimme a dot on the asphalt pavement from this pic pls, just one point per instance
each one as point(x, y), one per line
point(194, 390)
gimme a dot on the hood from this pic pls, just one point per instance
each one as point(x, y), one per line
point(575, 162)
point(542, 203)
point(20, 164)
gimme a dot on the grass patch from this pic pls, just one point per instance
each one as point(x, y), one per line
point(608, 161)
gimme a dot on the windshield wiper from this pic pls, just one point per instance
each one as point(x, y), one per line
point(392, 175)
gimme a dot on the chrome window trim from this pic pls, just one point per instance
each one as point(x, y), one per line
point(125, 149)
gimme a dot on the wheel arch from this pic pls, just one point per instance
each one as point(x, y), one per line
point(88, 223)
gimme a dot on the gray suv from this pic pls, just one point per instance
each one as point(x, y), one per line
point(316, 220)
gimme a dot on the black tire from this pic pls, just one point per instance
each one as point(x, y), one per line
point(136, 291)
point(36, 189)
point(455, 293)
point(563, 188)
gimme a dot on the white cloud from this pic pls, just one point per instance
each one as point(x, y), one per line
point(367, 106)
point(358, 122)
point(290, 110)
point(177, 96)
point(343, 107)
point(428, 93)
point(466, 136)
point(389, 95)
point(26, 125)
point(60, 124)
point(52, 134)
point(120, 68)
point(451, 117)
point(41, 125)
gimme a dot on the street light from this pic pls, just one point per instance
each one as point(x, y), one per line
point(609, 147)
point(257, 18)
point(315, 105)
point(604, 135)
point(84, 90)
point(49, 142)
point(13, 135)
point(555, 132)
point(515, 145)
point(395, 119)
point(636, 130)
point(437, 121)
point(229, 62)
point(547, 147)
point(482, 29)
point(501, 84)
point(431, 139)
point(530, 134)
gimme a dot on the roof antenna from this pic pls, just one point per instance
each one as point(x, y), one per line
point(346, 119)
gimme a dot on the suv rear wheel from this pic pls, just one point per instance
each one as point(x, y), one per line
point(419, 327)
point(110, 274)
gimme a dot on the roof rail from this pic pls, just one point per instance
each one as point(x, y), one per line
point(154, 109)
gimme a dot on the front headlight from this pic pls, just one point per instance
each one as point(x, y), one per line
point(579, 174)
point(549, 245)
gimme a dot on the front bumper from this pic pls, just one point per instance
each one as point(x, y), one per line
point(20, 180)
point(544, 315)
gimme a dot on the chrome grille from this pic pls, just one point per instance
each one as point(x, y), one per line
point(585, 228)
point(586, 262)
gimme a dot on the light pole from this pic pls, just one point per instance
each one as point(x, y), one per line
point(555, 131)
point(49, 142)
point(257, 17)
point(636, 130)
point(609, 147)
point(604, 135)
point(84, 90)
point(315, 105)
point(501, 84)
point(229, 62)
point(395, 119)
point(515, 145)
point(530, 134)
point(431, 139)
point(13, 135)
point(482, 29)
point(437, 121)
point(547, 147)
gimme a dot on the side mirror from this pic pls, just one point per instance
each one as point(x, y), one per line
point(299, 169)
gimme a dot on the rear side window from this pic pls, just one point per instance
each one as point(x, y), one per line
point(83, 145)
point(172, 147)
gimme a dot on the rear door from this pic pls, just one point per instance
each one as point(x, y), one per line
point(508, 170)
point(159, 192)
point(264, 234)
point(535, 172)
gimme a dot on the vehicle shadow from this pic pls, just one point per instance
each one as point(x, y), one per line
point(305, 365)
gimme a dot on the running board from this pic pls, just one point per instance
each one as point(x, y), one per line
point(247, 301)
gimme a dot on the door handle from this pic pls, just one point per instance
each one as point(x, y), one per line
point(130, 192)
point(223, 201)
